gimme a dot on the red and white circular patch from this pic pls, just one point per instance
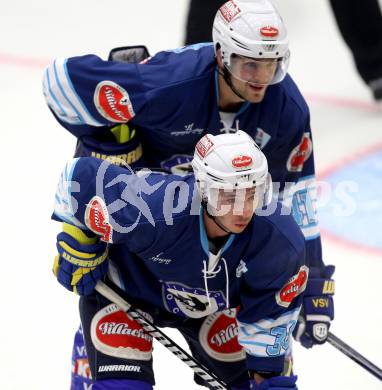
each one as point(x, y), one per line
point(294, 286)
point(97, 218)
point(115, 333)
point(300, 154)
point(242, 162)
point(113, 102)
point(218, 337)
point(269, 31)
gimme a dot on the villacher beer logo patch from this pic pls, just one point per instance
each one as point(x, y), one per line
point(294, 287)
point(113, 102)
point(269, 32)
point(242, 162)
point(218, 337)
point(97, 219)
point(300, 154)
point(115, 333)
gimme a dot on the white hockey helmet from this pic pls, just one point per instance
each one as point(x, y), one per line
point(251, 29)
point(230, 162)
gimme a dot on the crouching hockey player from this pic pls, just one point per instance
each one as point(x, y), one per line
point(211, 270)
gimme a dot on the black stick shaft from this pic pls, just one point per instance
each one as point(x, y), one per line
point(354, 355)
point(153, 330)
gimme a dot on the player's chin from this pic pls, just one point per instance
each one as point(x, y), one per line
point(255, 94)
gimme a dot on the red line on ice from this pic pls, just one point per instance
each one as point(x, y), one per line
point(22, 61)
point(343, 102)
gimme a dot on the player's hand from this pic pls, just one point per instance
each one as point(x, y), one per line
point(276, 383)
point(81, 260)
point(318, 308)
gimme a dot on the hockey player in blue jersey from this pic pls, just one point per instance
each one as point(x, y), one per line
point(181, 262)
point(169, 101)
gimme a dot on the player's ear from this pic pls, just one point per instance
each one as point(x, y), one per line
point(219, 57)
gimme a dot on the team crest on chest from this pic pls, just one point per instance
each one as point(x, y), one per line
point(191, 302)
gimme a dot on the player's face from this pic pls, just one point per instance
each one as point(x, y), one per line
point(236, 208)
point(251, 77)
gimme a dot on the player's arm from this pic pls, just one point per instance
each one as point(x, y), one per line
point(99, 203)
point(318, 306)
point(271, 298)
point(85, 93)
point(102, 138)
point(113, 202)
point(296, 172)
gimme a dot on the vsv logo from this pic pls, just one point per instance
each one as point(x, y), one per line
point(320, 302)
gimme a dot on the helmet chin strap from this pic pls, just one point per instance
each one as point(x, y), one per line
point(209, 215)
point(228, 79)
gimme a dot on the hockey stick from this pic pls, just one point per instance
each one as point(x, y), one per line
point(354, 355)
point(154, 331)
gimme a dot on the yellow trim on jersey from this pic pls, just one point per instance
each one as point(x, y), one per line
point(122, 133)
point(78, 234)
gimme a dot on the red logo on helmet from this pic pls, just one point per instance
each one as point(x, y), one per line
point(203, 146)
point(113, 102)
point(300, 154)
point(97, 218)
point(242, 162)
point(269, 32)
point(218, 336)
point(295, 286)
point(229, 10)
point(115, 333)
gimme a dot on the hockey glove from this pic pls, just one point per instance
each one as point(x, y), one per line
point(276, 383)
point(81, 260)
point(318, 309)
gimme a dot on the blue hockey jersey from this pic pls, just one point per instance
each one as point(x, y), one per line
point(171, 101)
point(160, 249)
